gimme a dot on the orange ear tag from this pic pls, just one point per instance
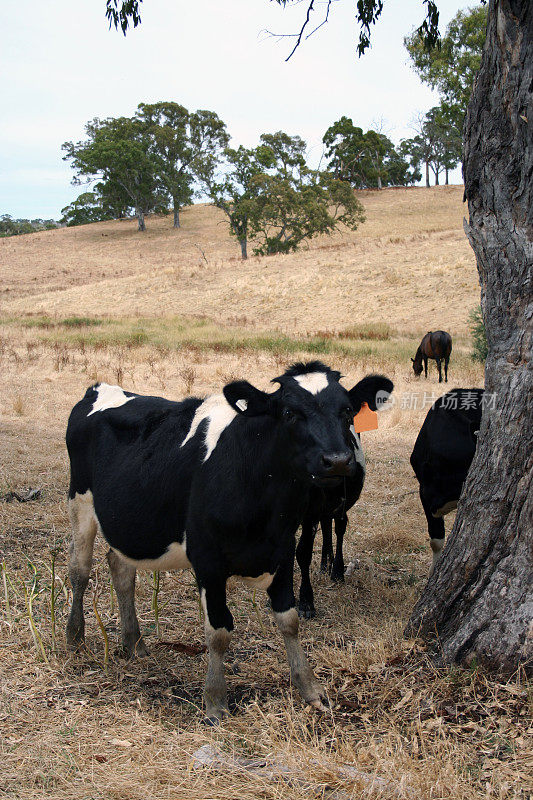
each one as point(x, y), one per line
point(365, 419)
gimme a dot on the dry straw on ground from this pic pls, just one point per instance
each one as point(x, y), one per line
point(89, 728)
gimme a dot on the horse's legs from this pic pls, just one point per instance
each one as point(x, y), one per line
point(439, 369)
point(446, 362)
point(425, 366)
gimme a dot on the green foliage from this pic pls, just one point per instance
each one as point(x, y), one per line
point(118, 151)
point(180, 144)
point(119, 13)
point(479, 337)
point(451, 68)
point(269, 193)
point(365, 160)
point(437, 143)
point(16, 227)
point(87, 207)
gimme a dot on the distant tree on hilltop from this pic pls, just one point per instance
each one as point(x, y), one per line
point(366, 160)
point(17, 227)
point(180, 141)
point(117, 151)
point(270, 194)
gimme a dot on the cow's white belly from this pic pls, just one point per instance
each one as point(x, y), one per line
point(174, 558)
point(445, 509)
point(261, 582)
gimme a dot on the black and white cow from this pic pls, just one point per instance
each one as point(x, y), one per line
point(219, 484)
point(332, 504)
point(442, 455)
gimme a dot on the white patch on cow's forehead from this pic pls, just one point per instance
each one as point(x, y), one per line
point(109, 397)
point(313, 382)
point(218, 413)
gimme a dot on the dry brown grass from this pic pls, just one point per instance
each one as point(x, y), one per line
point(411, 256)
point(70, 728)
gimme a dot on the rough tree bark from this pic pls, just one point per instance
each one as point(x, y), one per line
point(176, 214)
point(479, 600)
point(140, 219)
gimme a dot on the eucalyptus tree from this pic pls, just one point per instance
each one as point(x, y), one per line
point(366, 160)
point(269, 193)
point(118, 153)
point(180, 142)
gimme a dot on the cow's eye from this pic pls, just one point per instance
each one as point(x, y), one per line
point(289, 415)
point(347, 413)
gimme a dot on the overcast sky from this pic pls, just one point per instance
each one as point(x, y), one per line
point(61, 66)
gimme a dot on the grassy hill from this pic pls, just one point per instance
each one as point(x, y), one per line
point(409, 266)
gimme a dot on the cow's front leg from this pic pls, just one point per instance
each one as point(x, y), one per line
point(283, 605)
point(337, 570)
point(304, 554)
point(326, 559)
point(218, 627)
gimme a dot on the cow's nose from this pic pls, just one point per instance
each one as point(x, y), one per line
point(337, 463)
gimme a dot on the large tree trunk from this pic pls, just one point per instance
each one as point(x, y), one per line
point(176, 214)
point(479, 600)
point(244, 248)
point(447, 176)
point(427, 174)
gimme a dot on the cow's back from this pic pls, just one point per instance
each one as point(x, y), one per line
point(447, 429)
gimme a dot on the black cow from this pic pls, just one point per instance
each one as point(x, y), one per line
point(442, 455)
point(332, 504)
point(219, 484)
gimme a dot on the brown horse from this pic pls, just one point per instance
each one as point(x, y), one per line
point(437, 345)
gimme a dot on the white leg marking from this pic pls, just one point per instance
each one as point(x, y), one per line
point(219, 414)
point(437, 546)
point(313, 382)
point(109, 397)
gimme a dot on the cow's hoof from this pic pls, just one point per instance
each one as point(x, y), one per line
point(337, 577)
point(306, 610)
point(136, 649)
point(320, 705)
point(75, 639)
point(215, 716)
point(75, 645)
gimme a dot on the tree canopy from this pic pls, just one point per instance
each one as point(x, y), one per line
point(118, 152)
point(451, 68)
point(268, 193)
point(365, 160)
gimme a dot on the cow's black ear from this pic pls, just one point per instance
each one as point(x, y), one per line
point(374, 390)
point(246, 399)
